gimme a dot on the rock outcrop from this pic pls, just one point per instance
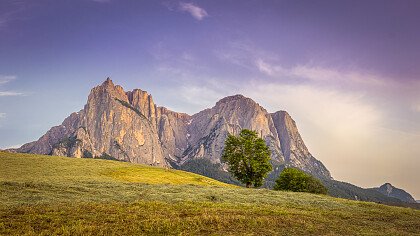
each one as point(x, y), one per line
point(295, 152)
point(208, 129)
point(113, 123)
point(128, 126)
point(390, 191)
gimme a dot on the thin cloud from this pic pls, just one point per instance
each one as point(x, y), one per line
point(317, 74)
point(6, 79)
point(197, 12)
point(9, 93)
point(5, 19)
point(12, 12)
point(2, 115)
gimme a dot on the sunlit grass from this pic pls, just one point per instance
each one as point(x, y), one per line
point(148, 175)
point(55, 195)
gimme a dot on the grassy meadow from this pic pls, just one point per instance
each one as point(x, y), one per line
point(45, 195)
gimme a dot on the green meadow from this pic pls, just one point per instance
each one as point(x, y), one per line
point(47, 195)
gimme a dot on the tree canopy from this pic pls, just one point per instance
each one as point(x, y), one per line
point(295, 180)
point(248, 158)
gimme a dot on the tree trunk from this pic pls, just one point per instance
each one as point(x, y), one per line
point(248, 185)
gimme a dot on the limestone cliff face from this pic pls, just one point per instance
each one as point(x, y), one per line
point(113, 123)
point(294, 149)
point(129, 126)
point(208, 129)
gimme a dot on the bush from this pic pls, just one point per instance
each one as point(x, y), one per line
point(295, 180)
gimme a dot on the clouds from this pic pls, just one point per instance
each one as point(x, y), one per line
point(197, 12)
point(11, 11)
point(4, 79)
point(317, 74)
point(328, 111)
point(5, 19)
point(9, 93)
point(194, 10)
point(351, 118)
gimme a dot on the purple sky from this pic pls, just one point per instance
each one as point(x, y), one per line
point(347, 71)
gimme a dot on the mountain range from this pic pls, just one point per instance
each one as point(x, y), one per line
point(129, 126)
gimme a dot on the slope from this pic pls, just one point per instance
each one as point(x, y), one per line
point(54, 195)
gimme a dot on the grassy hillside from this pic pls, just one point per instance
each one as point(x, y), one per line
point(335, 188)
point(54, 195)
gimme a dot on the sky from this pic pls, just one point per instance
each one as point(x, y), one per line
point(348, 72)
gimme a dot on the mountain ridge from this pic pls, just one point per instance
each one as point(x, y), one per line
point(391, 191)
point(129, 126)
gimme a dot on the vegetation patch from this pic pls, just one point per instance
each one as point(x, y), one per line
point(156, 175)
point(296, 180)
point(205, 167)
point(47, 195)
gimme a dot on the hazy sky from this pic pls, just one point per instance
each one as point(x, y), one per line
point(347, 71)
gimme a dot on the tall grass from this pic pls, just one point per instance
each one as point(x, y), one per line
point(55, 195)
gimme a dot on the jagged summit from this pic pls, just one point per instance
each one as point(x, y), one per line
point(391, 191)
point(233, 98)
point(129, 126)
point(108, 81)
point(237, 100)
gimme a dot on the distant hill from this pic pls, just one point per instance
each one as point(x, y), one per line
point(335, 188)
point(49, 195)
point(388, 190)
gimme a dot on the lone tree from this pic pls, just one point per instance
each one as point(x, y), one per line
point(248, 158)
point(295, 180)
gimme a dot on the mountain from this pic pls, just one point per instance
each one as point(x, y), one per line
point(390, 191)
point(128, 126)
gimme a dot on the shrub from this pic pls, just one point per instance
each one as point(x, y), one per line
point(295, 180)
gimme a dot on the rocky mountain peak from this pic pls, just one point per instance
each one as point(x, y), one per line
point(232, 98)
point(107, 90)
point(142, 101)
point(293, 148)
point(129, 126)
point(387, 187)
point(238, 101)
point(108, 81)
point(391, 191)
point(288, 134)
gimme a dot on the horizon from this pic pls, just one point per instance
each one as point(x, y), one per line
point(347, 72)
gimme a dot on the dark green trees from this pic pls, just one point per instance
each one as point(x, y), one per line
point(248, 158)
point(295, 180)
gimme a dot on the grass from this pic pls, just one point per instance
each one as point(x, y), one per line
point(44, 195)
